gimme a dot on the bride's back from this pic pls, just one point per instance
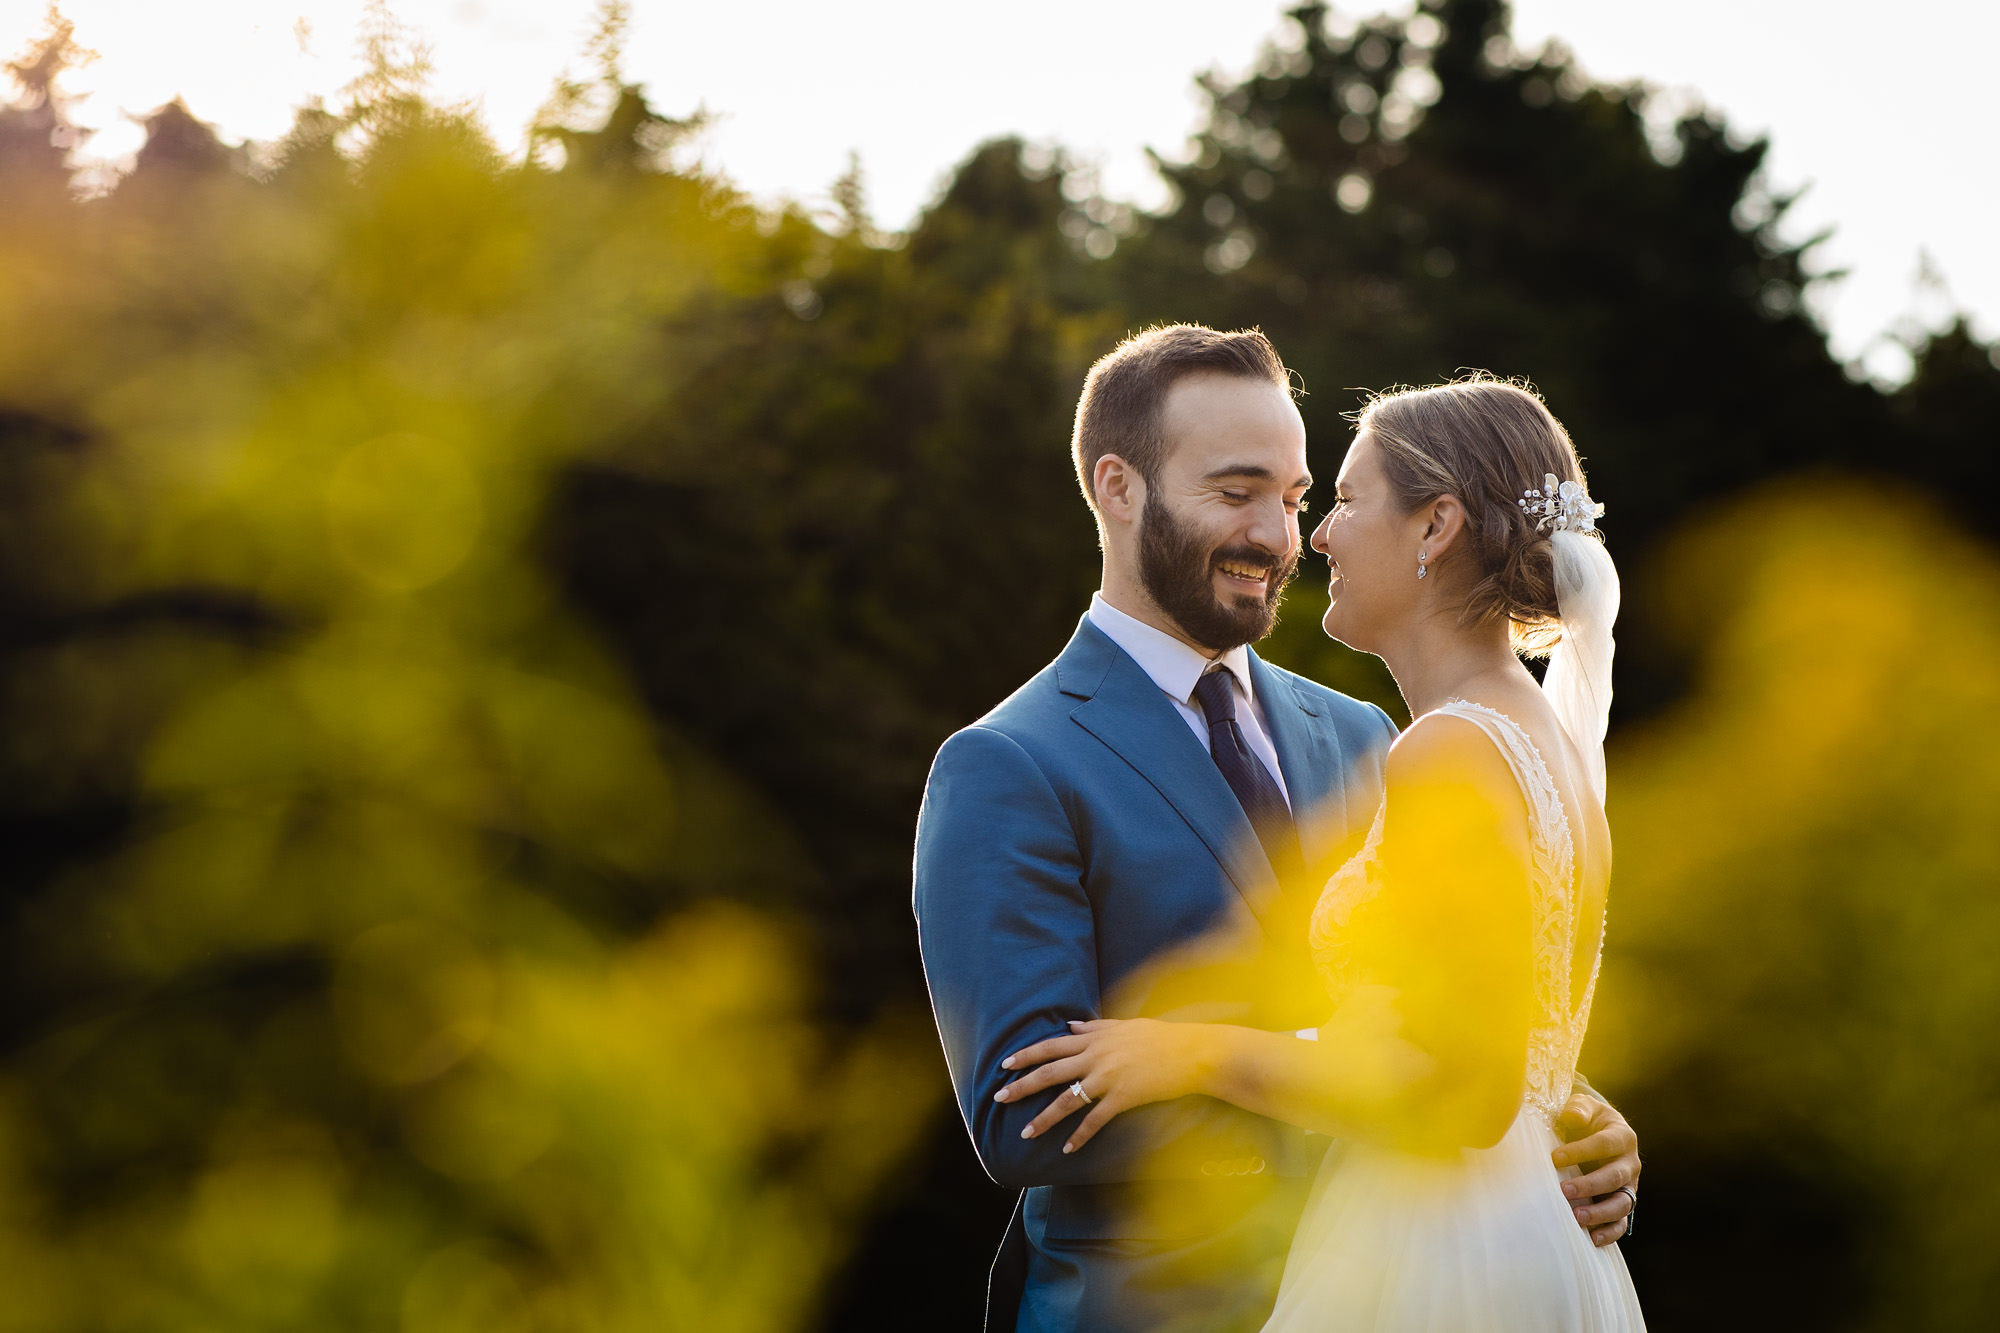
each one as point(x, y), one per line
point(1400, 1241)
point(1589, 831)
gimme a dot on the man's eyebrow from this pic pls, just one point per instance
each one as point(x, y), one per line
point(1253, 472)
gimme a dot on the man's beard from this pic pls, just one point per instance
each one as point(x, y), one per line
point(1177, 567)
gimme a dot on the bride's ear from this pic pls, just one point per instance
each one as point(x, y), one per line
point(1444, 523)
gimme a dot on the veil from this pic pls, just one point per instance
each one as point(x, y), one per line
point(1577, 683)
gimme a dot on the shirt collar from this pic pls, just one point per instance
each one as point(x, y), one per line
point(1173, 665)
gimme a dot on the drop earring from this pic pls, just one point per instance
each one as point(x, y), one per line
point(1421, 568)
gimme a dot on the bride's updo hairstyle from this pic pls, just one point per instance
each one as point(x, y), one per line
point(1484, 440)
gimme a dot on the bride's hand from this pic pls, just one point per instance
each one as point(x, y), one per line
point(1120, 1063)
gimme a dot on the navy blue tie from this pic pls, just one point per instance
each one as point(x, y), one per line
point(1245, 773)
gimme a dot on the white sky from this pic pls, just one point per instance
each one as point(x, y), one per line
point(1877, 107)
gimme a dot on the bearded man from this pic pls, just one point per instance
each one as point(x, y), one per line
point(1141, 829)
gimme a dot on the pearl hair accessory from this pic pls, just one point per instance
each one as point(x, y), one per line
point(1560, 508)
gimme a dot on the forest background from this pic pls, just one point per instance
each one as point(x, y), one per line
point(475, 632)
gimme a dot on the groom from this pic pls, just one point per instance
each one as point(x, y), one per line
point(1142, 829)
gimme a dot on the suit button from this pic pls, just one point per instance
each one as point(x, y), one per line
point(1211, 1168)
point(1256, 1166)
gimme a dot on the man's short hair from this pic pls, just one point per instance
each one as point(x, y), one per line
point(1119, 412)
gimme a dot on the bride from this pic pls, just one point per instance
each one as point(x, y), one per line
point(1460, 945)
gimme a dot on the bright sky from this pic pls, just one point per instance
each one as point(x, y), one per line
point(1875, 106)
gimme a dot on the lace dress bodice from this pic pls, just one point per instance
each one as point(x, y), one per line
point(1560, 1019)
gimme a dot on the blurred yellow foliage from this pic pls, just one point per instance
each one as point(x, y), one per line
point(407, 1000)
point(649, 1137)
point(1803, 922)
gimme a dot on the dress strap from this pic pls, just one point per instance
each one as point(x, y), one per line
point(1531, 771)
point(1558, 1032)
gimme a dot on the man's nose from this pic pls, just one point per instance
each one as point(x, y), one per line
point(1275, 529)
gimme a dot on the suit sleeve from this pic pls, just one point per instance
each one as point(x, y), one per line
point(1008, 938)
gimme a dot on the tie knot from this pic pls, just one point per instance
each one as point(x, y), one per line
point(1217, 700)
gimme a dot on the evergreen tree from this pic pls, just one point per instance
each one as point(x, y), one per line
point(1399, 199)
point(1948, 417)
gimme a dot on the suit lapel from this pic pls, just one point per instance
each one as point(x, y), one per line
point(1310, 755)
point(1122, 707)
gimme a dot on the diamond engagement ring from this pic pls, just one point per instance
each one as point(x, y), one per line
point(1081, 1095)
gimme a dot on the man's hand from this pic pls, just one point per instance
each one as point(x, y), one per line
point(1598, 1140)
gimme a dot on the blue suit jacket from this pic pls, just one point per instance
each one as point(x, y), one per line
point(1079, 855)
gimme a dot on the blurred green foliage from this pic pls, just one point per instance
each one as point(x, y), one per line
point(1805, 920)
point(390, 985)
point(476, 630)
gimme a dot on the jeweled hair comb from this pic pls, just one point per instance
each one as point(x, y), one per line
point(1564, 507)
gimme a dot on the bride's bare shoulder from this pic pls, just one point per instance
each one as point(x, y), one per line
point(1445, 747)
point(1449, 782)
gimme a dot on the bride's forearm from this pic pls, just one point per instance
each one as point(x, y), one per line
point(1317, 1085)
point(1361, 1083)
point(1362, 1078)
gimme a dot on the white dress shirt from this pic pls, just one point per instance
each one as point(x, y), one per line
point(1176, 668)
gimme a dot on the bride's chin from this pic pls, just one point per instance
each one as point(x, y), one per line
point(1338, 630)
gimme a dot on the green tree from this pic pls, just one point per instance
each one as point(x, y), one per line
point(1397, 199)
point(36, 132)
point(1948, 417)
point(371, 955)
point(853, 525)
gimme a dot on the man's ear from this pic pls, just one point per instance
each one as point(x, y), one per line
point(1120, 490)
point(1444, 523)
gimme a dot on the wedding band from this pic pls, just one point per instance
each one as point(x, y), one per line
point(1082, 1096)
point(1632, 1215)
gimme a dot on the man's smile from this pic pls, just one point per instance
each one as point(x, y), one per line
point(1254, 575)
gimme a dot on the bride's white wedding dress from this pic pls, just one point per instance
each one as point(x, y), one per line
point(1483, 1242)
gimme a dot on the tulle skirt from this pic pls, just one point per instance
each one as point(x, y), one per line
point(1480, 1243)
